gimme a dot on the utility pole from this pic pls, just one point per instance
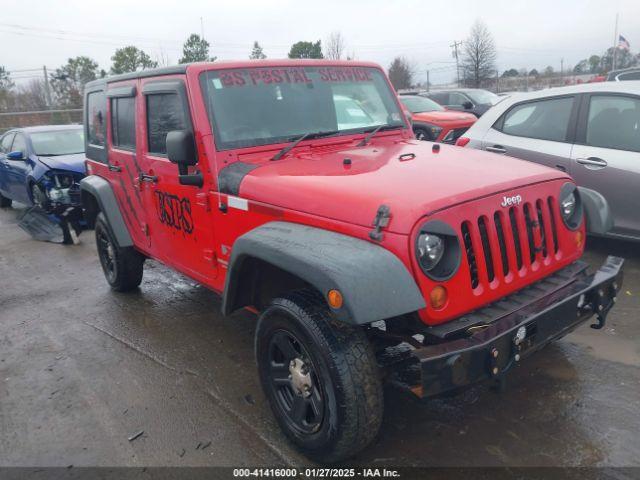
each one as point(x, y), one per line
point(428, 82)
point(455, 46)
point(561, 67)
point(47, 92)
point(615, 45)
point(201, 28)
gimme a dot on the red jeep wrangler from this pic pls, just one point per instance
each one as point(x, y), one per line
point(296, 189)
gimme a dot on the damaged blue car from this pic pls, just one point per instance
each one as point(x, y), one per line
point(41, 167)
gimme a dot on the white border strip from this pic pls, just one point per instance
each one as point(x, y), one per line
point(238, 203)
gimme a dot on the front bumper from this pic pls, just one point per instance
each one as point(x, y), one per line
point(483, 345)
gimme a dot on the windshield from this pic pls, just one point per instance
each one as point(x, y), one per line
point(420, 104)
point(261, 106)
point(483, 97)
point(58, 142)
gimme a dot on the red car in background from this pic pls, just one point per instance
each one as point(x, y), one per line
point(433, 122)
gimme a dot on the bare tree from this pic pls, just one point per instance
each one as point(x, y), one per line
point(401, 73)
point(32, 96)
point(479, 55)
point(335, 46)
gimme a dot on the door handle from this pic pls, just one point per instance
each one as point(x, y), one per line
point(562, 168)
point(143, 177)
point(114, 168)
point(592, 161)
point(496, 149)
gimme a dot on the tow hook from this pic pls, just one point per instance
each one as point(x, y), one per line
point(602, 304)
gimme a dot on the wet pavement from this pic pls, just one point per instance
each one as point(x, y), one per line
point(83, 369)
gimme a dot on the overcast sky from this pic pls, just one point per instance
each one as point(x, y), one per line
point(528, 34)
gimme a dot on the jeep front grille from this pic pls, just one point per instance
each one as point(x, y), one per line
point(507, 241)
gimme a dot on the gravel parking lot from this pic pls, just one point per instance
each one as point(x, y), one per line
point(83, 370)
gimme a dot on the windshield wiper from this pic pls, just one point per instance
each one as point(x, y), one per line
point(297, 140)
point(385, 126)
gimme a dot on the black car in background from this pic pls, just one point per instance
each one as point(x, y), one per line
point(472, 100)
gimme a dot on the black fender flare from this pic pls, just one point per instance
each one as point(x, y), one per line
point(374, 283)
point(101, 190)
point(597, 211)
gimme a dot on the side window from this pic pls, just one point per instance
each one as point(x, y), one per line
point(123, 127)
point(614, 122)
point(629, 76)
point(441, 98)
point(457, 99)
point(543, 119)
point(96, 111)
point(165, 112)
point(5, 144)
point(19, 144)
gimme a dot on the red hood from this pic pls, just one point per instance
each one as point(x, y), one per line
point(316, 181)
point(441, 117)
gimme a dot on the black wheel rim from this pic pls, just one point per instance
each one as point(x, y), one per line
point(106, 252)
point(302, 409)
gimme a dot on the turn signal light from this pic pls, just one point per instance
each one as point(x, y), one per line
point(438, 297)
point(579, 239)
point(334, 297)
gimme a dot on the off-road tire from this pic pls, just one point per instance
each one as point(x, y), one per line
point(5, 202)
point(124, 273)
point(345, 365)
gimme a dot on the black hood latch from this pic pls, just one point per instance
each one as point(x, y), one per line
point(383, 215)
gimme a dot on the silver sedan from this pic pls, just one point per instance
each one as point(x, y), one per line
point(591, 131)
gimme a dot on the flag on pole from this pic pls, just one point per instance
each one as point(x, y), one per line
point(623, 43)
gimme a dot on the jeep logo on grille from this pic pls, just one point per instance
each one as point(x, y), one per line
point(510, 201)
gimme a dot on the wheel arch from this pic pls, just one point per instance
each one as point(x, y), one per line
point(97, 196)
point(374, 283)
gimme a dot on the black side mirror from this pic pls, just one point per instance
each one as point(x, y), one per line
point(181, 150)
point(467, 105)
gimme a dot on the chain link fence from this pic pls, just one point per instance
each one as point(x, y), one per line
point(9, 120)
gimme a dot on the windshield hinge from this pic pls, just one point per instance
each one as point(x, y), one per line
point(383, 215)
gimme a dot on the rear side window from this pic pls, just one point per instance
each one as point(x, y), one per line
point(165, 112)
point(123, 127)
point(614, 122)
point(96, 116)
point(543, 119)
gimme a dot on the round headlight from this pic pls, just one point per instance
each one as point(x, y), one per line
point(568, 206)
point(430, 250)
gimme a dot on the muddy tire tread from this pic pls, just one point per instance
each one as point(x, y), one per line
point(352, 357)
point(129, 262)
